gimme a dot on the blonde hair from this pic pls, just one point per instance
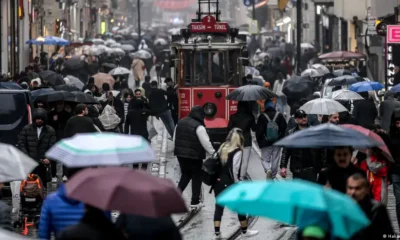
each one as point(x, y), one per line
point(234, 140)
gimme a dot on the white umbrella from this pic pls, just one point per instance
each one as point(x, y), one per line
point(98, 41)
point(119, 71)
point(311, 73)
point(118, 51)
point(94, 51)
point(115, 45)
point(127, 47)
point(306, 45)
point(15, 165)
point(142, 54)
point(323, 106)
point(174, 31)
point(74, 81)
point(344, 94)
point(244, 33)
point(160, 41)
point(102, 149)
point(320, 68)
point(110, 42)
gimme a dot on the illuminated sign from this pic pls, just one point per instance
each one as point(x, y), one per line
point(389, 65)
point(209, 25)
point(393, 34)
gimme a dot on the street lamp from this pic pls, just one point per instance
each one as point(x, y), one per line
point(139, 27)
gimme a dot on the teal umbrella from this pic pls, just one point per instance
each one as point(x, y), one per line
point(297, 202)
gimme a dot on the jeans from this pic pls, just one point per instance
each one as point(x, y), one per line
point(245, 160)
point(191, 170)
point(166, 118)
point(281, 104)
point(396, 192)
point(270, 157)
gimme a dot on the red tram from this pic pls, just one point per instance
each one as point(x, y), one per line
point(208, 59)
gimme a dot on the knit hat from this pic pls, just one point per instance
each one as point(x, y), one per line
point(314, 232)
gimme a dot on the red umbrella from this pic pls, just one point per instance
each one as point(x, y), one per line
point(126, 190)
point(371, 134)
point(341, 55)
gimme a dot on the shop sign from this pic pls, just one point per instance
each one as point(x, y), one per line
point(389, 65)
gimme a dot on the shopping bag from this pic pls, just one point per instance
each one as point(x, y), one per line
point(16, 198)
point(151, 129)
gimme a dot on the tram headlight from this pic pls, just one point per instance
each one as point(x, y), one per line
point(210, 109)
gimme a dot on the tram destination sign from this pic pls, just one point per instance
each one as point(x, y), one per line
point(209, 25)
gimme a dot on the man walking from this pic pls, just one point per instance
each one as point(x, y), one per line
point(79, 123)
point(191, 144)
point(35, 140)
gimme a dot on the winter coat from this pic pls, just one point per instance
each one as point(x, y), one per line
point(365, 113)
point(58, 213)
point(386, 110)
point(119, 108)
point(79, 124)
point(157, 101)
point(28, 141)
point(136, 120)
point(261, 127)
point(139, 227)
point(376, 169)
point(395, 150)
point(59, 124)
point(109, 118)
point(337, 177)
point(93, 226)
point(138, 68)
point(244, 120)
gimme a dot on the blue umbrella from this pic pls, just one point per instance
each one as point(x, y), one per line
point(49, 40)
point(327, 135)
point(395, 89)
point(366, 86)
point(10, 85)
point(40, 92)
point(297, 202)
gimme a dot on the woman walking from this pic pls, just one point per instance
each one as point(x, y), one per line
point(230, 155)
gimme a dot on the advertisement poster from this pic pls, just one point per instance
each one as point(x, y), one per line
point(232, 105)
point(184, 102)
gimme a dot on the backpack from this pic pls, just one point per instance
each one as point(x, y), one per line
point(32, 187)
point(211, 169)
point(272, 132)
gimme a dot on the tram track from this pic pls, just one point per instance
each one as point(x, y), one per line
point(185, 220)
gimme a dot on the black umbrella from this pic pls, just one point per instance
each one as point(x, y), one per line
point(52, 77)
point(81, 97)
point(66, 87)
point(74, 63)
point(55, 96)
point(341, 72)
point(40, 92)
point(109, 65)
point(250, 93)
point(298, 87)
point(327, 135)
point(10, 85)
point(345, 80)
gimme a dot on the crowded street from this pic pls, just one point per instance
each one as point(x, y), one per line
point(199, 120)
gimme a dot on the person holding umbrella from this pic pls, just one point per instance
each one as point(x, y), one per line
point(138, 67)
point(365, 111)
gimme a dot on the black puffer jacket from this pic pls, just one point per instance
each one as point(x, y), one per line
point(301, 158)
point(244, 120)
point(29, 142)
point(187, 144)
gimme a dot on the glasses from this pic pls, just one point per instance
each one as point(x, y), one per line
point(302, 116)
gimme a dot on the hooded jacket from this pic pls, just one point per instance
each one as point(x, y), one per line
point(109, 118)
point(261, 127)
point(30, 143)
point(58, 213)
point(188, 144)
point(244, 120)
point(136, 119)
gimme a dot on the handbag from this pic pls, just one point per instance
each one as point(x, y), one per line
point(48, 173)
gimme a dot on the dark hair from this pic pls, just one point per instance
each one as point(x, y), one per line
point(124, 85)
point(91, 80)
point(351, 149)
point(80, 108)
point(360, 176)
point(137, 90)
point(154, 84)
point(105, 87)
point(147, 78)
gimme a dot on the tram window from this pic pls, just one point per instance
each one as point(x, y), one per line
point(218, 68)
point(201, 70)
point(187, 68)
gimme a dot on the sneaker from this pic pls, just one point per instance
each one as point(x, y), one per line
point(249, 233)
point(54, 180)
point(65, 179)
point(199, 205)
point(217, 236)
point(269, 175)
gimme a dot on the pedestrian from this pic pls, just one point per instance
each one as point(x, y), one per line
point(365, 111)
point(159, 107)
point(386, 110)
point(336, 175)
point(191, 144)
point(282, 100)
point(126, 98)
point(230, 154)
point(140, 227)
point(380, 226)
point(35, 140)
point(94, 225)
point(118, 106)
point(136, 122)
point(110, 119)
point(270, 128)
point(59, 211)
point(138, 67)
point(172, 97)
point(146, 86)
point(93, 113)
point(334, 118)
point(394, 169)
point(79, 123)
point(305, 163)
point(244, 120)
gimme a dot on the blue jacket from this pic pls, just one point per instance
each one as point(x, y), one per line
point(58, 213)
